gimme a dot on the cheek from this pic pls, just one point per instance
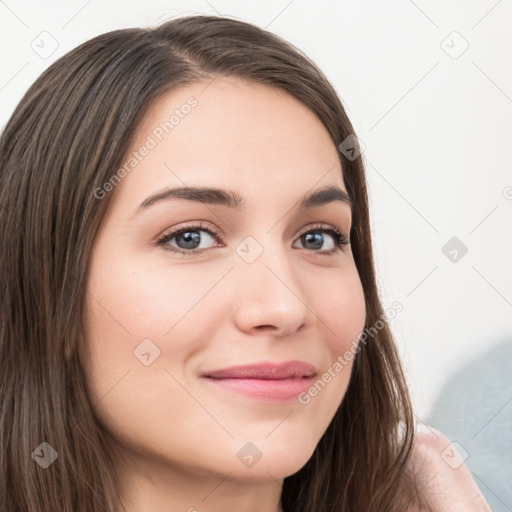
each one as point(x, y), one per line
point(342, 309)
point(135, 307)
point(131, 304)
point(345, 315)
point(147, 296)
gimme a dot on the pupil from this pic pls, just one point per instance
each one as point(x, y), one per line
point(191, 239)
point(315, 238)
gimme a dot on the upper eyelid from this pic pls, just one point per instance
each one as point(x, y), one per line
point(202, 225)
point(192, 225)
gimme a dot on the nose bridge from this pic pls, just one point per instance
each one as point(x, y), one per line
point(263, 255)
point(263, 238)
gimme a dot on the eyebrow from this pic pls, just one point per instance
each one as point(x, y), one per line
point(232, 199)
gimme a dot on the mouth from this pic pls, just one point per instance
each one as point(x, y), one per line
point(275, 382)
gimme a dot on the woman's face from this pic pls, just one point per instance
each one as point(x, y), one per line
point(267, 285)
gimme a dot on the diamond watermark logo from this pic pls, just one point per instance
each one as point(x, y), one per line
point(146, 352)
point(352, 147)
point(454, 45)
point(249, 455)
point(45, 45)
point(454, 249)
point(45, 455)
point(249, 249)
point(454, 455)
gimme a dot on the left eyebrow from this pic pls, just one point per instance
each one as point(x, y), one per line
point(232, 199)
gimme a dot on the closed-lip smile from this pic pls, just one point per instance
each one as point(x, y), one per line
point(268, 381)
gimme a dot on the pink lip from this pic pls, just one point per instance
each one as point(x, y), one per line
point(266, 381)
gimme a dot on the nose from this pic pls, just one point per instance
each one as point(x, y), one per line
point(269, 297)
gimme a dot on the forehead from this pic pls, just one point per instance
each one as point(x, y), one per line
point(228, 132)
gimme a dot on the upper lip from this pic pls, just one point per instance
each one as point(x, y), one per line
point(265, 371)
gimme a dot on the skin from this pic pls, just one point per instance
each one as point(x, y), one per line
point(175, 437)
point(444, 481)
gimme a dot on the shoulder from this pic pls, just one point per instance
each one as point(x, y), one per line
point(443, 481)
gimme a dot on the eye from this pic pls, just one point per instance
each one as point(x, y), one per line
point(314, 239)
point(188, 241)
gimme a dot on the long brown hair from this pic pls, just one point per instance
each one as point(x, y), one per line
point(72, 128)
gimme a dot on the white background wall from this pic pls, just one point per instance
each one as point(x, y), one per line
point(436, 120)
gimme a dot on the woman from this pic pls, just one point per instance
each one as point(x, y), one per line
point(190, 317)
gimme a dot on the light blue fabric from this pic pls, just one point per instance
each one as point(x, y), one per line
point(474, 408)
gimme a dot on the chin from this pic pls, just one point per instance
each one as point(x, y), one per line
point(276, 462)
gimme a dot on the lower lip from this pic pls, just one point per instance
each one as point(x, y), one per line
point(283, 390)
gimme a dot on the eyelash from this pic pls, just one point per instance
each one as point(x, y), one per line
point(340, 239)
